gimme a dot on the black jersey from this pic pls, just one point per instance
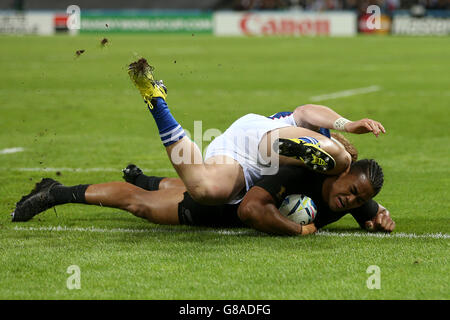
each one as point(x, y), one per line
point(297, 180)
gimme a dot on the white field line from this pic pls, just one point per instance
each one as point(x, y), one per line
point(234, 232)
point(345, 93)
point(385, 235)
point(11, 150)
point(124, 230)
point(83, 169)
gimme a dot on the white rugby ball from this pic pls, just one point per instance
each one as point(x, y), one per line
point(299, 208)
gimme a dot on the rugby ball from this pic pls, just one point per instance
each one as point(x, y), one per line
point(298, 208)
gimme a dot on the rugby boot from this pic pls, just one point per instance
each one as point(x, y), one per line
point(131, 172)
point(308, 150)
point(37, 201)
point(141, 74)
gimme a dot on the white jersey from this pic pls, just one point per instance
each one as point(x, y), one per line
point(241, 142)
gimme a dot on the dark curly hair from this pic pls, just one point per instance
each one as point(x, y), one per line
point(372, 170)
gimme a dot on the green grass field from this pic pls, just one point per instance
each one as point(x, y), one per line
point(82, 113)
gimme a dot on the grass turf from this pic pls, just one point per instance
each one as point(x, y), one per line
point(83, 112)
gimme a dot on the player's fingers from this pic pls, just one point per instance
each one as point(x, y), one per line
point(381, 226)
point(375, 129)
point(393, 225)
point(389, 226)
point(378, 219)
point(371, 128)
point(385, 221)
point(380, 126)
point(381, 222)
point(368, 127)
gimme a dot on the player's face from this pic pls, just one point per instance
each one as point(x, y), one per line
point(350, 191)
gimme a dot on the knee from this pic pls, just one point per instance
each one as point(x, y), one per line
point(331, 147)
point(338, 152)
point(341, 156)
point(346, 159)
point(343, 162)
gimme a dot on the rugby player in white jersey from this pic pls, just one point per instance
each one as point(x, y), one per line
point(252, 146)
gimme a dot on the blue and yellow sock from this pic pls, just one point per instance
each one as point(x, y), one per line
point(170, 131)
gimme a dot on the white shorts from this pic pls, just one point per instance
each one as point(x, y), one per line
point(241, 141)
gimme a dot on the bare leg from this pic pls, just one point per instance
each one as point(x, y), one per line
point(170, 183)
point(340, 155)
point(213, 182)
point(159, 207)
point(208, 183)
point(150, 183)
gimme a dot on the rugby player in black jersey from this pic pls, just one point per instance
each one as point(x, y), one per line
point(335, 196)
point(165, 200)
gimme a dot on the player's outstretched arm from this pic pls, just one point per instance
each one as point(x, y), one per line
point(258, 210)
point(382, 222)
point(313, 116)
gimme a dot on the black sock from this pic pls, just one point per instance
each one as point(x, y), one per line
point(75, 194)
point(149, 183)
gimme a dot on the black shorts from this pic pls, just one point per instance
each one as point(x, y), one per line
point(219, 216)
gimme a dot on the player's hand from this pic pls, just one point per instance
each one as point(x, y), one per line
point(382, 222)
point(365, 126)
point(308, 229)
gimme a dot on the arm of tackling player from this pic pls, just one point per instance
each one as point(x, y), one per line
point(313, 116)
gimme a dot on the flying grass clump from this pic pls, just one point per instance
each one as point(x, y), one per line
point(141, 66)
point(104, 42)
point(79, 53)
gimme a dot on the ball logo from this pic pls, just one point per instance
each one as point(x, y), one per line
point(298, 208)
point(74, 18)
